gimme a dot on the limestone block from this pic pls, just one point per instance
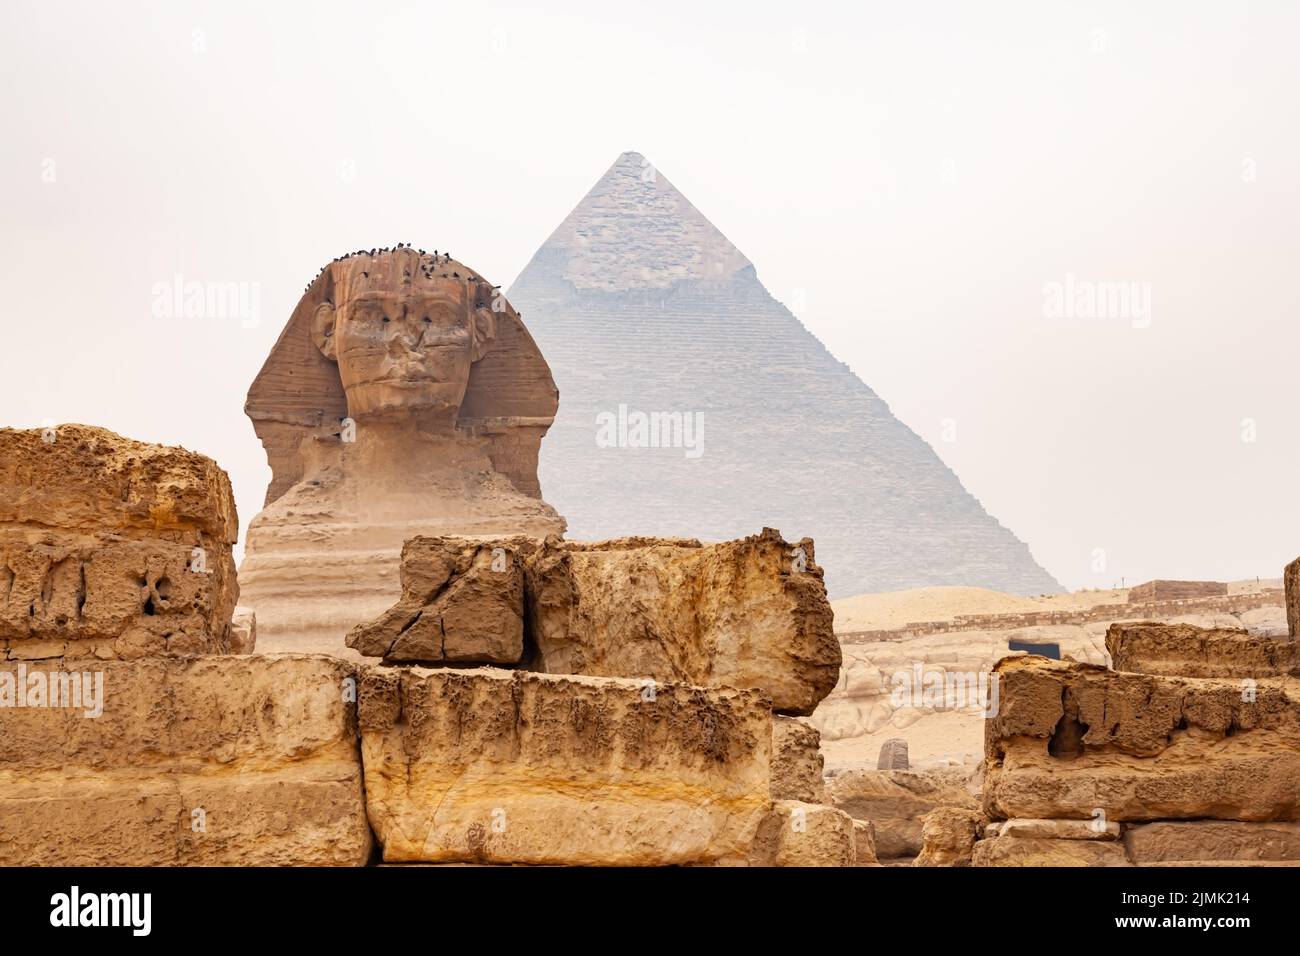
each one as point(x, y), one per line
point(1213, 841)
point(948, 836)
point(1074, 739)
point(501, 766)
point(112, 548)
point(796, 761)
point(1017, 851)
point(462, 602)
point(246, 761)
point(805, 834)
point(1182, 650)
point(750, 613)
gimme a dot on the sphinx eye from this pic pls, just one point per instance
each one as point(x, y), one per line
point(429, 320)
point(386, 319)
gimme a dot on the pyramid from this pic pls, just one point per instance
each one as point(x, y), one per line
point(692, 403)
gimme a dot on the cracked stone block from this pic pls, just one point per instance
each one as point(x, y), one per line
point(797, 761)
point(462, 602)
point(746, 613)
point(1078, 741)
point(498, 766)
point(795, 833)
point(1036, 851)
point(1183, 650)
point(112, 548)
point(948, 836)
point(1219, 841)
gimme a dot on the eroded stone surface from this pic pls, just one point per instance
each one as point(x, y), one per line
point(1097, 829)
point(503, 766)
point(1074, 739)
point(796, 761)
point(948, 836)
point(112, 548)
point(1015, 851)
point(1182, 650)
point(805, 834)
point(745, 613)
point(1213, 840)
point(197, 761)
point(462, 602)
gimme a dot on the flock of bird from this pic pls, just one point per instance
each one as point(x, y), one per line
point(437, 258)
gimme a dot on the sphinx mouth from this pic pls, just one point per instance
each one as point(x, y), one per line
point(408, 381)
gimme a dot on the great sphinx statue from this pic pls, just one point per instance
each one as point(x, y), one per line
point(404, 397)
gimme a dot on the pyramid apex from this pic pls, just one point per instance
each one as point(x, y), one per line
point(635, 231)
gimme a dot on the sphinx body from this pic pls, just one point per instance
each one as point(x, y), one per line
point(404, 397)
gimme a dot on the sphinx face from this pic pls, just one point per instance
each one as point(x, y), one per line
point(409, 350)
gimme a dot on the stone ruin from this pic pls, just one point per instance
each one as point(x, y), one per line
point(1187, 752)
point(613, 703)
point(529, 700)
point(112, 549)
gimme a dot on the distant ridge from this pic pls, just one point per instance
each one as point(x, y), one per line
point(641, 305)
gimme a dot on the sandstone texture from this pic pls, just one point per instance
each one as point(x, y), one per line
point(404, 397)
point(462, 602)
point(1074, 739)
point(1096, 829)
point(112, 548)
point(1033, 851)
point(895, 801)
point(1213, 841)
point(206, 761)
point(1182, 650)
point(498, 766)
point(948, 836)
point(750, 613)
point(796, 762)
point(805, 834)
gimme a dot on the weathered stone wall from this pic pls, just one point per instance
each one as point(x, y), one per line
point(745, 613)
point(112, 548)
point(514, 767)
point(206, 761)
point(1174, 650)
point(1201, 769)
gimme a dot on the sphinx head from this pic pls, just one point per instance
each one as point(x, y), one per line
point(404, 329)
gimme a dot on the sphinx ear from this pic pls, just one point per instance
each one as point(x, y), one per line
point(485, 332)
point(322, 330)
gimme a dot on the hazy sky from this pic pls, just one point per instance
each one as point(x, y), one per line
point(908, 177)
